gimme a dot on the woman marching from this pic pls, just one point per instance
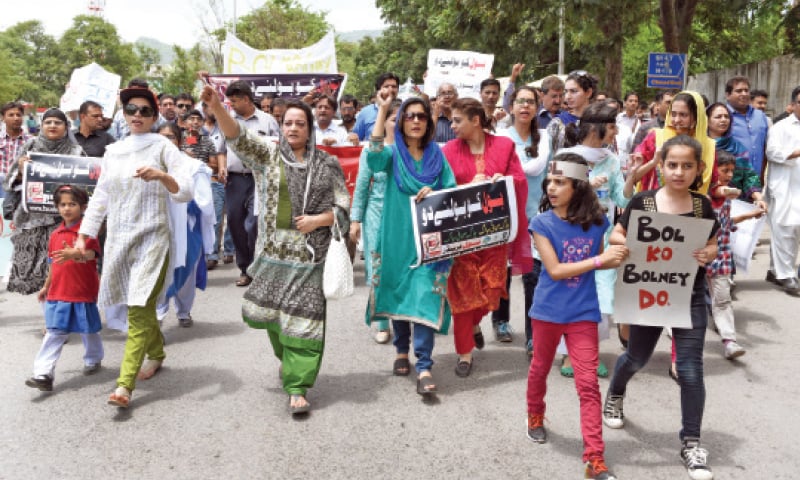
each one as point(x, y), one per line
point(533, 149)
point(301, 191)
point(367, 210)
point(144, 170)
point(477, 280)
point(569, 237)
point(33, 229)
point(681, 168)
point(70, 292)
point(414, 167)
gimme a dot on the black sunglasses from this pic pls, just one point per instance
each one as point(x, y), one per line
point(410, 116)
point(146, 110)
point(183, 105)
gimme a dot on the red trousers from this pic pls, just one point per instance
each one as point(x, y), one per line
point(463, 324)
point(581, 339)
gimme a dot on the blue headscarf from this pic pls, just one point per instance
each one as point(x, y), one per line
point(405, 173)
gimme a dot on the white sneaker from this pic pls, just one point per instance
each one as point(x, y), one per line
point(733, 350)
point(612, 411)
point(382, 336)
point(695, 460)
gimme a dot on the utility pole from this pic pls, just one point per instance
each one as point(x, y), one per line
point(561, 46)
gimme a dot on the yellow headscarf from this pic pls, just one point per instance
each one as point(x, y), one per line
point(700, 134)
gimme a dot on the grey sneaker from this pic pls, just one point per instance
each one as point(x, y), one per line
point(502, 332)
point(91, 369)
point(612, 411)
point(695, 459)
point(733, 350)
point(536, 431)
point(43, 382)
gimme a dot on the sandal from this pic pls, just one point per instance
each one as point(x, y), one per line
point(426, 385)
point(402, 367)
point(121, 397)
point(568, 372)
point(298, 409)
point(244, 281)
point(463, 368)
point(602, 370)
point(149, 369)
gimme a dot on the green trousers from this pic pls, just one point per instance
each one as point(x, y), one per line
point(144, 336)
point(300, 365)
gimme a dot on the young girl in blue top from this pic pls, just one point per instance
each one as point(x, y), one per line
point(569, 237)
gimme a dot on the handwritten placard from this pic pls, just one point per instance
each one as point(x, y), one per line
point(746, 235)
point(91, 82)
point(654, 285)
point(465, 70)
point(45, 172)
point(456, 221)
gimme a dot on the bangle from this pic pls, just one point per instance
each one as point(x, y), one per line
point(597, 262)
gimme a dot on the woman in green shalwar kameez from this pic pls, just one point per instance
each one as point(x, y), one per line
point(415, 166)
point(300, 189)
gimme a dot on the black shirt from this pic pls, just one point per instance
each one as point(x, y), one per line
point(95, 144)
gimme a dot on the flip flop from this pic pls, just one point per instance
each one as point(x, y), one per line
point(426, 385)
point(121, 397)
point(149, 369)
point(602, 370)
point(402, 367)
point(568, 372)
point(297, 410)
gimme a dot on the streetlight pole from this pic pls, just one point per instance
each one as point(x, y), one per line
point(561, 45)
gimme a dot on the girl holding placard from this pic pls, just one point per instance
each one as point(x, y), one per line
point(681, 166)
point(569, 237)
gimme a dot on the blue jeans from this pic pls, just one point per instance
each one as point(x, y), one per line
point(218, 192)
point(689, 344)
point(423, 342)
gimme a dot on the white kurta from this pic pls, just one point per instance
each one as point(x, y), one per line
point(783, 174)
point(139, 237)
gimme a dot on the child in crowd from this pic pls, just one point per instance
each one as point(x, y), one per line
point(720, 269)
point(568, 235)
point(681, 168)
point(70, 292)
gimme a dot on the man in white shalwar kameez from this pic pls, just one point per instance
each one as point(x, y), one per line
point(783, 195)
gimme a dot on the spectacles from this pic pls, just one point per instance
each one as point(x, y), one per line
point(411, 116)
point(531, 102)
point(132, 109)
point(183, 105)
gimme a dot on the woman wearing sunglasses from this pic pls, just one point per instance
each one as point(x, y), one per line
point(138, 175)
point(29, 263)
point(414, 166)
point(477, 280)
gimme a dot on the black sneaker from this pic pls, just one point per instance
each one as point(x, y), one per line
point(43, 382)
point(536, 431)
point(695, 459)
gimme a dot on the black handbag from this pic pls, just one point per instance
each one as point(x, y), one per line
point(10, 203)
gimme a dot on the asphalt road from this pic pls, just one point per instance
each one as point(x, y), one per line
point(216, 410)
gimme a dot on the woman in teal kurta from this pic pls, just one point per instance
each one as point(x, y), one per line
point(366, 210)
point(414, 166)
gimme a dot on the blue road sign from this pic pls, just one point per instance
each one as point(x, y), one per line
point(666, 70)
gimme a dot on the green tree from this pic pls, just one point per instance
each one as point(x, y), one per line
point(281, 24)
point(36, 56)
point(13, 84)
point(92, 39)
point(183, 72)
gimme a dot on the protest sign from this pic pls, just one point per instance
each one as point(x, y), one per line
point(654, 285)
point(45, 172)
point(348, 158)
point(240, 58)
point(283, 85)
point(465, 70)
point(91, 82)
point(456, 221)
point(745, 237)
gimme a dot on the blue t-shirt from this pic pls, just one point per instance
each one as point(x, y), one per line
point(573, 299)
